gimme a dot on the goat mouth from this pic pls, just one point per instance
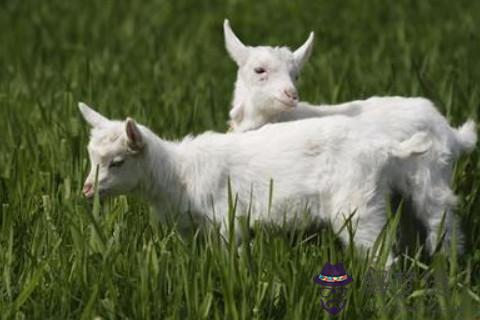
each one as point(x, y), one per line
point(288, 104)
point(91, 195)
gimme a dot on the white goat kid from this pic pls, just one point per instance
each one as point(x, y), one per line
point(424, 179)
point(327, 167)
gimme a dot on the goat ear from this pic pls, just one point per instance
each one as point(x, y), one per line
point(237, 50)
point(93, 118)
point(302, 54)
point(134, 135)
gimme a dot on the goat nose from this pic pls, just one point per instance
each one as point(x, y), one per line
point(291, 93)
point(87, 188)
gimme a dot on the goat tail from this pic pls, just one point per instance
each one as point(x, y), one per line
point(466, 136)
point(417, 144)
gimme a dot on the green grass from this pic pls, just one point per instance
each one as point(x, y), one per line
point(164, 63)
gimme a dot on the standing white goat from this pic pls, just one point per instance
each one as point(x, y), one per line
point(265, 92)
point(327, 167)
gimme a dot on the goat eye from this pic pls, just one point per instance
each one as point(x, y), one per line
point(116, 163)
point(259, 70)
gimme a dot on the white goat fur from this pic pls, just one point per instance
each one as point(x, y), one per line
point(328, 167)
point(424, 180)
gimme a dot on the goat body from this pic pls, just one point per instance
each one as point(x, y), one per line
point(267, 97)
point(326, 167)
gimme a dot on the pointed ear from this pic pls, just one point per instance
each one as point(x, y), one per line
point(302, 54)
point(93, 118)
point(237, 50)
point(134, 135)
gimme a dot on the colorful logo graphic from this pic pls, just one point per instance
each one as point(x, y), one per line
point(333, 279)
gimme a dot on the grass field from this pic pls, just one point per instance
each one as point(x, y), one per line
point(164, 63)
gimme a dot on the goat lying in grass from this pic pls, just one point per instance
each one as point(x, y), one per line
point(265, 92)
point(327, 167)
